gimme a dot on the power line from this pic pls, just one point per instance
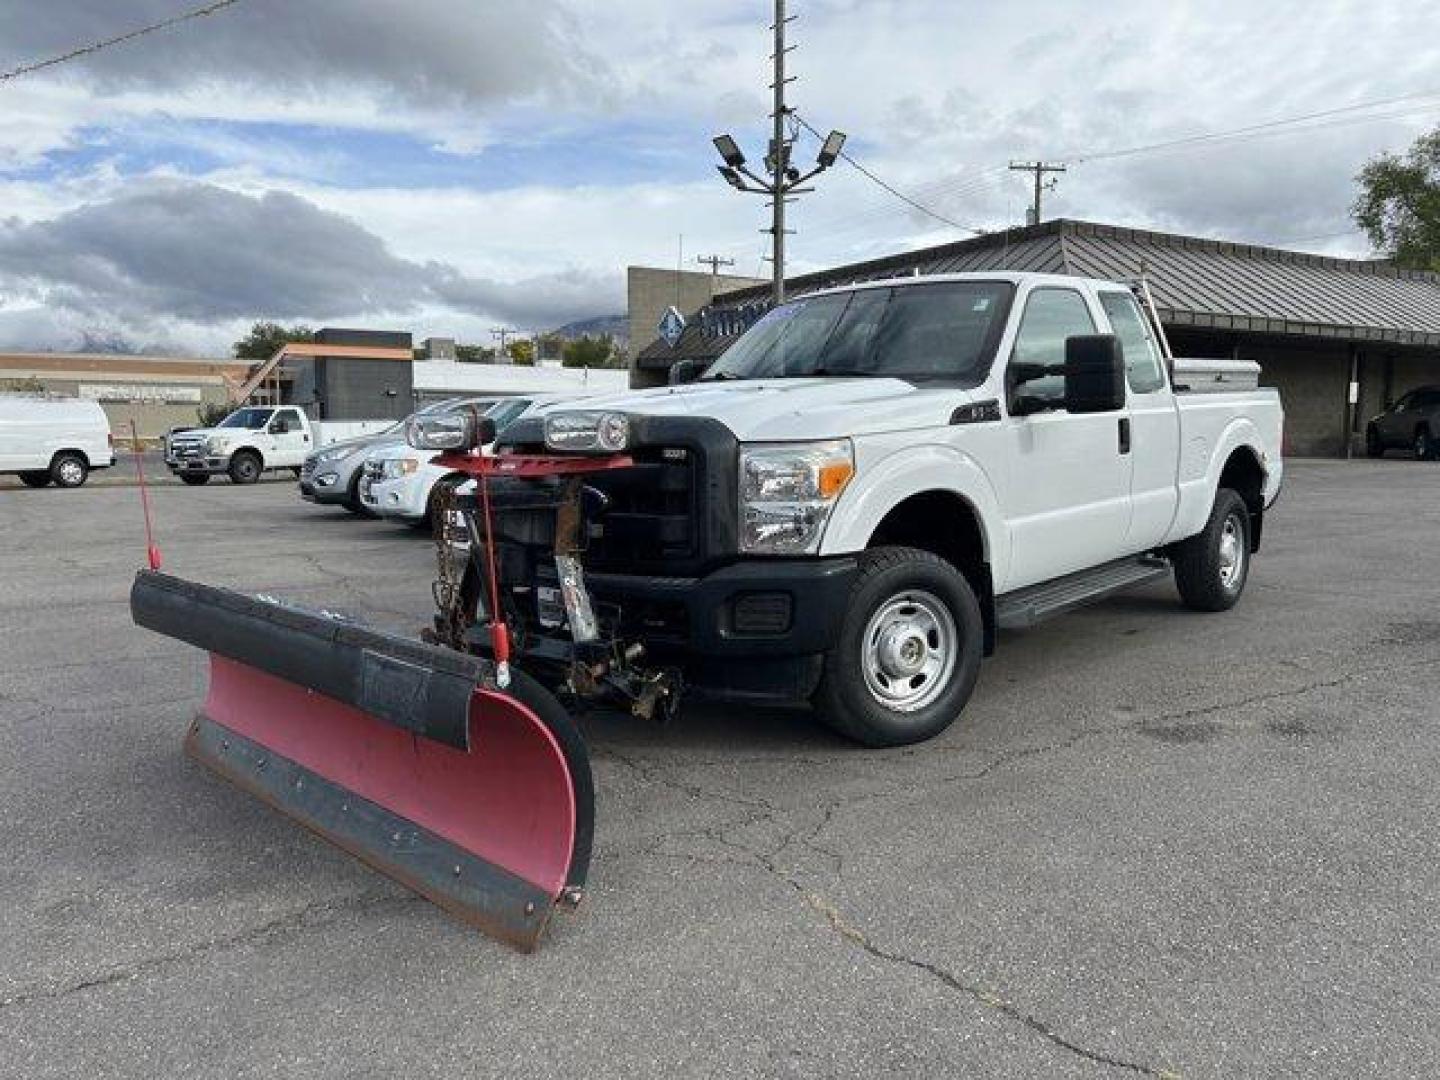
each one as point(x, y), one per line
point(1039, 168)
point(85, 50)
point(888, 187)
point(1252, 129)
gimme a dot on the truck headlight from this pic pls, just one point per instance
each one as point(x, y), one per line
point(787, 491)
point(394, 468)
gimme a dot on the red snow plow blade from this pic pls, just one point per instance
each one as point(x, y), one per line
point(407, 755)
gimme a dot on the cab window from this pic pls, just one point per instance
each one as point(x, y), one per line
point(1051, 316)
point(286, 420)
point(1143, 369)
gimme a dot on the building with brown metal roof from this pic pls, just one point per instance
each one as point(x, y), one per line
point(1315, 324)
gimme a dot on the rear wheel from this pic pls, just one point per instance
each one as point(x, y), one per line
point(1374, 447)
point(194, 479)
point(69, 469)
point(1211, 567)
point(1424, 445)
point(245, 467)
point(38, 479)
point(907, 653)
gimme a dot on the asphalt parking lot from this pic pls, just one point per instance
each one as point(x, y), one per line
point(1157, 843)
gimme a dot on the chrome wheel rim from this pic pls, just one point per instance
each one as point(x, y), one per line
point(70, 472)
point(1232, 552)
point(909, 650)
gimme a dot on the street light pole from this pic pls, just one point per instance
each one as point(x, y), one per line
point(781, 178)
point(780, 155)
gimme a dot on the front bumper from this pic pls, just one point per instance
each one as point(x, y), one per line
point(208, 464)
point(324, 487)
point(756, 629)
point(401, 497)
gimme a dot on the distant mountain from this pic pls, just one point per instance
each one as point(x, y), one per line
point(617, 326)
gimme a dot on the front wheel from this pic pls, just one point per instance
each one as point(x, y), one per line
point(1211, 567)
point(1424, 445)
point(908, 651)
point(194, 479)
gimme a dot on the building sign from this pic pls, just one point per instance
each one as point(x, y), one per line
point(146, 393)
point(672, 325)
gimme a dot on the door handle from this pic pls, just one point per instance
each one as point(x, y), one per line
point(1124, 435)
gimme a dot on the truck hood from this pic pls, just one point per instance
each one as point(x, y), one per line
point(757, 410)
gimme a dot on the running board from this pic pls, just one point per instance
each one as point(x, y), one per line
point(1026, 607)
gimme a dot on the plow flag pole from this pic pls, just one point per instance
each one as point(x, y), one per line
point(152, 553)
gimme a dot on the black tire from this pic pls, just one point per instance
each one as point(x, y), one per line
point(1374, 447)
point(69, 469)
point(427, 522)
point(194, 479)
point(913, 588)
point(1424, 445)
point(35, 479)
point(352, 497)
point(1210, 571)
point(245, 467)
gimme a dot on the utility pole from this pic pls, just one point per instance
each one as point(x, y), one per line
point(714, 262)
point(503, 334)
point(783, 179)
point(1039, 168)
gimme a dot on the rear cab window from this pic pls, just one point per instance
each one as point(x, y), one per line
point(1144, 370)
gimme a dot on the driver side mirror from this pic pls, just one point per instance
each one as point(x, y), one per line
point(1094, 373)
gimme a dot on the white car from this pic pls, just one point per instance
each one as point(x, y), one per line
point(53, 441)
point(399, 481)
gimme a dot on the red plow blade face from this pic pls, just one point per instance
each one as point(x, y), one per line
point(406, 755)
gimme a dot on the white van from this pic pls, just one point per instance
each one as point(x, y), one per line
point(53, 440)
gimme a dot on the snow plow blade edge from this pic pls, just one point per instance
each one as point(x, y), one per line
point(405, 754)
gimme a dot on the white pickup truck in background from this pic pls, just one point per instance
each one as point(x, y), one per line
point(873, 479)
point(253, 439)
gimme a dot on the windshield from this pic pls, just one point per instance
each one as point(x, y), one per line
point(252, 419)
point(943, 330)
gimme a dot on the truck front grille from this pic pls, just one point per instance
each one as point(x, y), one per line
point(651, 517)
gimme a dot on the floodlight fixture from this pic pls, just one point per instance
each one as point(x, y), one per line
point(830, 149)
point(729, 151)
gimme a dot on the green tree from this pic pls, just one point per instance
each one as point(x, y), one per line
point(474, 354)
point(591, 352)
point(1399, 204)
point(522, 352)
point(28, 385)
point(211, 413)
point(265, 338)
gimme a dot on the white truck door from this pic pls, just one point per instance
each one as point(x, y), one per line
point(289, 438)
point(1154, 424)
point(1068, 495)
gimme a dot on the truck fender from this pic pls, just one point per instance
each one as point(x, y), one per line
point(1201, 466)
point(881, 486)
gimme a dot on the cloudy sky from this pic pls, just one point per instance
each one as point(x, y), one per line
point(449, 165)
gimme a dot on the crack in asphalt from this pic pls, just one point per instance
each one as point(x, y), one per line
point(312, 916)
point(984, 997)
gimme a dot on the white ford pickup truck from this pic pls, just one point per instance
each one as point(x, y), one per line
point(253, 439)
point(873, 479)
